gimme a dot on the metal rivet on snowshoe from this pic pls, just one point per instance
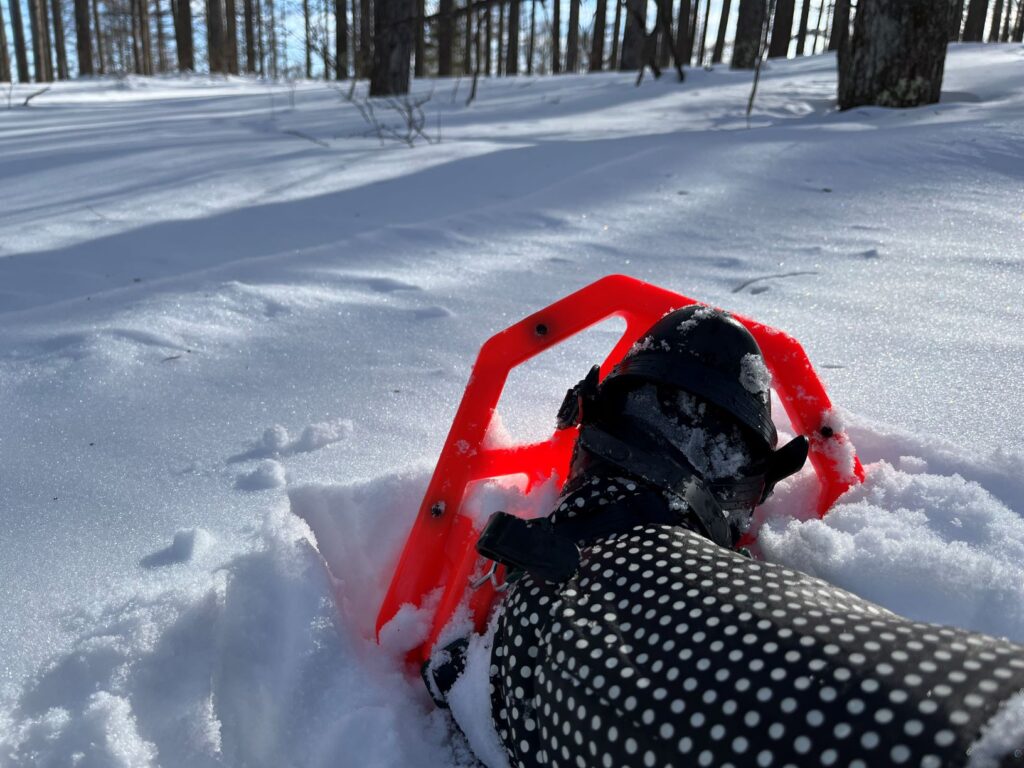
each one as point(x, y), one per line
point(437, 509)
point(827, 431)
point(541, 329)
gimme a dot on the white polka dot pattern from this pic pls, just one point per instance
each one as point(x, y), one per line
point(668, 650)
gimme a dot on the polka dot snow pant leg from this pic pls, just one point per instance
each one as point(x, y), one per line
point(666, 649)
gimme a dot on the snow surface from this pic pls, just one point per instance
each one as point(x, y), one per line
point(234, 330)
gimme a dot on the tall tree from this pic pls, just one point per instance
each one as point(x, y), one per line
point(44, 30)
point(597, 41)
point(694, 18)
point(214, 34)
point(83, 37)
point(532, 40)
point(58, 41)
point(684, 43)
point(366, 37)
point(974, 26)
point(956, 19)
point(181, 12)
point(512, 56)
point(841, 25)
point(18, 29)
point(1004, 36)
point(421, 46)
point(445, 33)
point(997, 16)
point(467, 43)
point(704, 33)
point(896, 55)
point(272, 36)
point(1018, 27)
point(556, 36)
point(634, 36)
point(663, 31)
point(750, 23)
point(101, 65)
point(501, 36)
point(801, 35)
point(572, 41)
point(249, 22)
point(719, 52)
point(230, 36)
point(161, 42)
point(782, 30)
point(5, 58)
point(308, 38)
point(392, 46)
point(38, 62)
point(145, 38)
point(488, 37)
point(613, 62)
point(340, 40)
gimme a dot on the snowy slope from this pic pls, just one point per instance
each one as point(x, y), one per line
point(234, 329)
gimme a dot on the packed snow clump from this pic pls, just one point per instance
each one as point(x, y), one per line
point(754, 374)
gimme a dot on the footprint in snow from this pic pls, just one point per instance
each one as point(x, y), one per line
point(267, 474)
point(187, 544)
point(276, 442)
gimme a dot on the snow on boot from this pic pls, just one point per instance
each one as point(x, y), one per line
point(655, 643)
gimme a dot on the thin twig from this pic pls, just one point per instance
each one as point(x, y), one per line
point(33, 95)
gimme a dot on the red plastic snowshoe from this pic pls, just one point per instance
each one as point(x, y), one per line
point(440, 553)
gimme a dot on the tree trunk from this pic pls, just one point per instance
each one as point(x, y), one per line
point(467, 49)
point(44, 22)
point(214, 34)
point(501, 37)
point(182, 12)
point(819, 30)
point(1004, 36)
point(161, 41)
point(634, 36)
point(974, 27)
point(597, 43)
point(719, 52)
point(308, 38)
point(512, 56)
point(488, 37)
point(531, 43)
point(340, 39)
point(997, 16)
point(1018, 27)
point(144, 37)
point(694, 17)
point(613, 62)
point(366, 37)
point(38, 64)
point(101, 65)
point(249, 22)
point(392, 47)
point(556, 36)
point(663, 31)
point(683, 41)
point(5, 58)
point(704, 34)
point(58, 41)
point(572, 41)
point(83, 38)
point(801, 35)
point(896, 55)
point(956, 20)
point(782, 30)
point(749, 28)
point(841, 25)
point(272, 37)
point(20, 54)
point(420, 55)
point(230, 36)
point(445, 33)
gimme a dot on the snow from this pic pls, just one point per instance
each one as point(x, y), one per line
point(234, 331)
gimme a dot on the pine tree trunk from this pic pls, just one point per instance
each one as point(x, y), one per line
point(840, 25)
point(340, 40)
point(512, 55)
point(704, 34)
point(467, 43)
point(214, 34)
point(974, 27)
point(1018, 27)
point(445, 33)
point(161, 40)
point(896, 55)
point(249, 22)
point(366, 37)
point(83, 38)
point(501, 36)
point(420, 56)
point(956, 20)
point(997, 16)
point(556, 36)
point(1004, 36)
point(45, 41)
point(38, 64)
point(20, 53)
point(801, 35)
point(683, 42)
point(749, 28)
point(101, 64)
point(308, 39)
point(634, 35)
point(716, 57)
point(782, 30)
point(392, 47)
point(819, 30)
point(488, 37)
point(694, 17)
point(5, 58)
point(58, 41)
point(663, 31)
point(272, 36)
point(572, 42)
point(530, 46)
point(597, 43)
point(181, 10)
point(613, 62)
point(230, 36)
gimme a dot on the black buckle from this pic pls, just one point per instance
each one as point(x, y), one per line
point(578, 400)
point(529, 545)
point(442, 670)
